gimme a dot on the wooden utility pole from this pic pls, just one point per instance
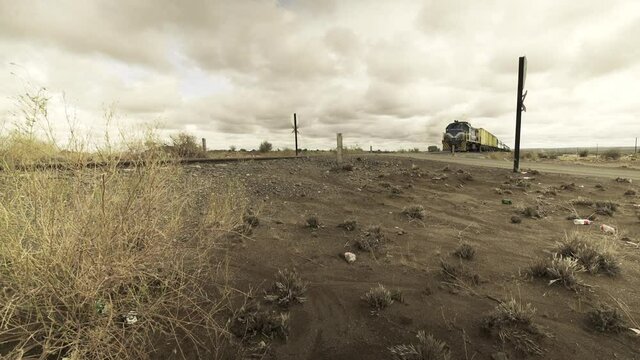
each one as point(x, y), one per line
point(204, 144)
point(295, 131)
point(635, 149)
point(522, 74)
point(339, 148)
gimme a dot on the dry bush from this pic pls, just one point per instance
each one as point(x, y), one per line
point(379, 297)
point(371, 239)
point(414, 212)
point(606, 207)
point(516, 219)
point(583, 153)
point(631, 192)
point(288, 289)
point(458, 275)
point(605, 318)
point(80, 250)
point(594, 255)
point(465, 251)
point(559, 270)
point(513, 323)
point(531, 212)
point(312, 222)
point(20, 150)
point(265, 147)
point(252, 322)
point(347, 167)
point(428, 348)
point(185, 145)
point(348, 225)
point(582, 201)
point(611, 154)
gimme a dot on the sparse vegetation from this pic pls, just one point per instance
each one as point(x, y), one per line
point(458, 275)
point(558, 269)
point(252, 321)
point(371, 239)
point(512, 322)
point(531, 212)
point(288, 289)
point(465, 251)
point(185, 145)
point(347, 167)
point(605, 318)
point(612, 154)
point(265, 147)
point(312, 222)
point(348, 225)
point(630, 192)
point(594, 255)
point(414, 212)
point(583, 153)
point(428, 348)
point(606, 208)
point(379, 297)
point(516, 219)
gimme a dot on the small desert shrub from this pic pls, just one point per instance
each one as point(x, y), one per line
point(465, 251)
point(185, 145)
point(428, 348)
point(395, 190)
point(516, 219)
point(583, 153)
point(582, 201)
point(414, 212)
point(512, 322)
point(289, 288)
point(347, 167)
point(371, 239)
point(379, 297)
point(612, 154)
point(606, 208)
point(531, 212)
point(251, 220)
point(252, 321)
point(312, 222)
point(458, 274)
point(559, 270)
point(605, 318)
point(630, 192)
point(265, 147)
point(594, 255)
point(348, 225)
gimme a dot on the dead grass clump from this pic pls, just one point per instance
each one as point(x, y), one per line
point(465, 251)
point(594, 255)
point(516, 219)
point(512, 322)
point(252, 322)
point(558, 269)
point(97, 262)
point(251, 220)
point(348, 225)
point(569, 186)
point(428, 348)
point(582, 201)
point(347, 167)
point(631, 192)
point(414, 212)
point(288, 289)
point(372, 239)
point(379, 297)
point(606, 208)
point(458, 275)
point(531, 212)
point(396, 190)
point(612, 154)
point(312, 222)
point(605, 318)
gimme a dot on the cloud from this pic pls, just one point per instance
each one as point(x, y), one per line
point(389, 74)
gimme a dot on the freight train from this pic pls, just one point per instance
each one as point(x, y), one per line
point(461, 136)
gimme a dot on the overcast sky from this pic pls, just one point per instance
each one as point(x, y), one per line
point(390, 74)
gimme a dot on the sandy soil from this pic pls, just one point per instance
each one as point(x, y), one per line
point(335, 323)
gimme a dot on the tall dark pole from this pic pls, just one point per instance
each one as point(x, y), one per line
point(295, 130)
point(522, 64)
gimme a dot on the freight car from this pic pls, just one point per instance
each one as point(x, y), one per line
point(461, 136)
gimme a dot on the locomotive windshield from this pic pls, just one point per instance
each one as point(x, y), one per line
point(456, 127)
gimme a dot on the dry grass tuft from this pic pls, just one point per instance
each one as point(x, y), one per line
point(380, 297)
point(582, 201)
point(371, 239)
point(465, 251)
point(594, 255)
point(458, 275)
point(414, 212)
point(252, 322)
point(559, 270)
point(428, 348)
point(512, 322)
point(606, 208)
point(348, 225)
point(312, 222)
point(288, 289)
point(605, 318)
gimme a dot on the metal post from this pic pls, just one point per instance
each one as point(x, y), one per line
point(635, 149)
point(295, 131)
point(370, 148)
point(339, 148)
point(204, 144)
point(522, 63)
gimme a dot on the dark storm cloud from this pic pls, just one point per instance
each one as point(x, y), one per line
point(394, 72)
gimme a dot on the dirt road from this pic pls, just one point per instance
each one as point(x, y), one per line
point(607, 172)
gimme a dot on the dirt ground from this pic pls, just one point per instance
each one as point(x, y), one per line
point(461, 202)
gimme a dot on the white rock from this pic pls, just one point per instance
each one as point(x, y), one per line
point(350, 257)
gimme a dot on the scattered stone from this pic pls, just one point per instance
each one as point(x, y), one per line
point(349, 257)
point(516, 219)
point(623, 180)
point(630, 192)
